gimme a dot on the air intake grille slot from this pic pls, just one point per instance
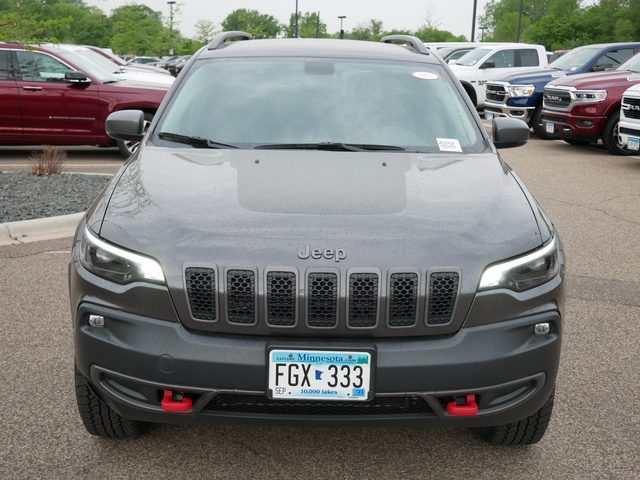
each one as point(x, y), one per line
point(322, 306)
point(241, 296)
point(258, 404)
point(443, 291)
point(403, 299)
point(363, 300)
point(281, 299)
point(201, 290)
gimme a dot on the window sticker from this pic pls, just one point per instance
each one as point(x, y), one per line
point(449, 145)
point(425, 75)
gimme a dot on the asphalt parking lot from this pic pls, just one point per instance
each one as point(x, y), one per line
point(592, 197)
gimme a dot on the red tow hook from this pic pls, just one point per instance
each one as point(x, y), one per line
point(175, 402)
point(468, 410)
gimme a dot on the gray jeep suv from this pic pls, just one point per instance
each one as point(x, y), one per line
point(317, 232)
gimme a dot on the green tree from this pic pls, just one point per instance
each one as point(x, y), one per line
point(309, 26)
point(253, 22)
point(138, 30)
point(205, 31)
point(370, 30)
point(428, 35)
point(24, 22)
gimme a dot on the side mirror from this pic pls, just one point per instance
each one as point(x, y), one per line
point(76, 77)
point(126, 125)
point(509, 132)
point(490, 64)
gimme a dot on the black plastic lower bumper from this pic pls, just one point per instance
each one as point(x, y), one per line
point(133, 360)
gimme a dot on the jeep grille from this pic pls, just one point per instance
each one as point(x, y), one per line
point(280, 299)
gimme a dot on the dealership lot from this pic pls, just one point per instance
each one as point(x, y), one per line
point(593, 199)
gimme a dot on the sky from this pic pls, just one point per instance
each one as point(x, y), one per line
point(454, 16)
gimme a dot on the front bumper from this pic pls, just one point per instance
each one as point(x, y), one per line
point(504, 110)
point(629, 134)
point(576, 127)
point(132, 360)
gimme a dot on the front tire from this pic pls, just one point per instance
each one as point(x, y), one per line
point(538, 126)
point(611, 136)
point(524, 432)
point(99, 419)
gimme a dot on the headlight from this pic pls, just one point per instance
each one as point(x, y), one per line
point(521, 90)
point(589, 96)
point(524, 272)
point(117, 264)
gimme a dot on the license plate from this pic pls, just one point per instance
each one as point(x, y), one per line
point(551, 128)
point(320, 374)
point(489, 116)
point(634, 144)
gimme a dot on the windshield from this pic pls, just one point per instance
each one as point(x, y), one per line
point(472, 57)
point(575, 59)
point(632, 65)
point(257, 102)
point(89, 67)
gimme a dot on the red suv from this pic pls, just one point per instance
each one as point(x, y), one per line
point(56, 97)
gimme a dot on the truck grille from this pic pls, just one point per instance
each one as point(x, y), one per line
point(280, 298)
point(496, 93)
point(556, 99)
point(631, 107)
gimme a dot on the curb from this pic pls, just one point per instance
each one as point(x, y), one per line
point(25, 231)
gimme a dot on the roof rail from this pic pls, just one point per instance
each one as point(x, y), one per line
point(414, 42)
point(225, 37)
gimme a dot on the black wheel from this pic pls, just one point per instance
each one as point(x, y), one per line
point(127, 147)
point(99, 419)
point(537, 125)
point(611, 136)
point(577, 143)
point(525, 432)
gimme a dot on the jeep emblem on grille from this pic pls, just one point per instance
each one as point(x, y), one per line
point(329, 254)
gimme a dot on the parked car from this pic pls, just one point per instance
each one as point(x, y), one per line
point(482, 64)
point(556, 54)
point(55, 96)
point(317, 232)
point(176, 66)
point(629, 125)
point(147, 78)
point(583, 109)
point(520, 95)
point(144, 60)
point(107, 53)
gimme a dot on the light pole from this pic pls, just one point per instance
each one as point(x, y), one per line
point(103, 17)
point(473, 19)
point(519, 22)
point(171, 4)
point(482, 29)
point(296, 19)
point(341, 17)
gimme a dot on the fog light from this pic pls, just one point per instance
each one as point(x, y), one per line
point(541, 329)
point(96, 321)
point(584, 123)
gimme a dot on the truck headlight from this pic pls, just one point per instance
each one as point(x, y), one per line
point(117, 264)
point(524, 272)
point(589, 96)
point(521, 90)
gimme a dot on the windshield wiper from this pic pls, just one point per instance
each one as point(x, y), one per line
point(197, 142)
point(349, 147)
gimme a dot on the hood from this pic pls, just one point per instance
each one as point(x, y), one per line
point(534, 76)
point(266, 208)
point(140, 77)
point(598, 80)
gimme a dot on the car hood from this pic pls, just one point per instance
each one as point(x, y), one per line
point(534, 76)
point(598, 80)
point(266, 207)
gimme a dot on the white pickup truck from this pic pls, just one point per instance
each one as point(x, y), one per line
point(494, 61)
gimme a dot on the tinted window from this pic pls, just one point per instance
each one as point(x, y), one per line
point(297, 101)
point(503, 59)
point(38, 67)
point(5, 66)
point(614, 58)
point(528, 58)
